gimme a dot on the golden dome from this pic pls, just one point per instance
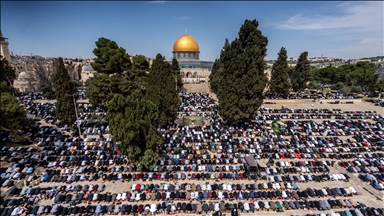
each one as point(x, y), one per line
point(185, 43)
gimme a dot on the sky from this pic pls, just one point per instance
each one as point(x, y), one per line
point(346, 30)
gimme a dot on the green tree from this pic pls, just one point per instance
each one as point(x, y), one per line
point(64, 91)
point(315, 85)
point(356, 89)
point(139, 72)
point(337, 86)
point(214, 77)
point(217, 69)
point(161, 89)
point(243, 80)
point(13, 115)
point(101, 88)
point(79, 69)
point(140, 62)
point(5, 87)
point(48, 91)
point(7, 74)
point(290, 73)
point(98, 89)
point(133, 123)
point(302, 73)
point(380, 86)
point(110, 58)
point(360, 74)
point(176, 69)
point(366, 75)
point(279, 83)
point(149, 159)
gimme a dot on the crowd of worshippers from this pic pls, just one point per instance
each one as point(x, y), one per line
point(198, 208)
point(276, 146)
point(285, 113)
point(173, 192)
point(197, 102)
point(210, 152)
point(166, 193)
point(255, 128)
point(312, 95)
point(91, 120)
point(370, 170)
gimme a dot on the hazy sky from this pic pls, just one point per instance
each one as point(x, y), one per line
point(70, 29)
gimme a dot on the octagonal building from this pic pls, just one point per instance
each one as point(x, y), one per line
point(187, 52)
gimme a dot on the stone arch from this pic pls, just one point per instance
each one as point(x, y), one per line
point(188, 74)
point(182, 74)
point(195, 74)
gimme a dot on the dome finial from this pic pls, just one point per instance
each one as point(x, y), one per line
point(186, 31)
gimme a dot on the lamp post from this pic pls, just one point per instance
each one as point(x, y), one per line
point(175, 80)
point(77, 116)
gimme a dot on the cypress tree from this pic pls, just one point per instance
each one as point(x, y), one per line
point(302, 73)
point(161, 89)
point(214, 77)
point(279, 83)
point(243, 80)
point(64, 90)
point(217, 69)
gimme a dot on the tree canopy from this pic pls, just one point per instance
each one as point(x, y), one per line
point(242, 79)
point(133, 122)
point(13, 115)
point(140, 62)
point(279, 83)
point(110, 63)
point(110, 58)
point(7, 74)
point(361, 74)
point(161, 89)
point(101, 88)
point(302, 73)
point(214, 77)
point(64, 91)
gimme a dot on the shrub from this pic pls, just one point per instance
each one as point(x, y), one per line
point(315, 85)
point(344, 90)
point(355, 89)
point(337, 86)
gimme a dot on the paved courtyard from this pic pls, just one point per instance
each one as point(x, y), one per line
point(369, 196)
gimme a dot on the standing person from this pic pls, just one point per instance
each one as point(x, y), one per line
point(234, 212)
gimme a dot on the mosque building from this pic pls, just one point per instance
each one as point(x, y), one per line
point(186, 51)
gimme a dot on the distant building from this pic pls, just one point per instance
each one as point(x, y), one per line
point(87, 72)
point(27, 81)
